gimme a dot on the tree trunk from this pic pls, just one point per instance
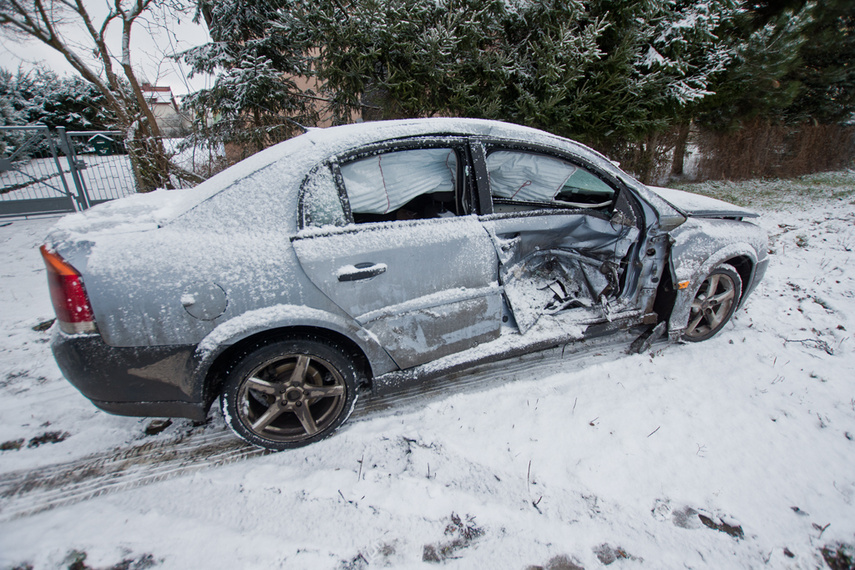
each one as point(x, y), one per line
point(680, 149)
point(646, 163)
point(259, 137)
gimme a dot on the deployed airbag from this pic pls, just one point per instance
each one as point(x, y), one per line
point(402, 175)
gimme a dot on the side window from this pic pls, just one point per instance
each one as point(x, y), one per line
point(584, 190)
point(403, 185)
point(321, 202)
point(523, 181)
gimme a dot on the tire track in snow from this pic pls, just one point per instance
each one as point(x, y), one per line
point(28, 492)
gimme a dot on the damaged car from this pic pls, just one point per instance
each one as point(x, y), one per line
point(366, 256)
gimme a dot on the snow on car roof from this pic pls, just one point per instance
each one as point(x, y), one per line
point(284, 165)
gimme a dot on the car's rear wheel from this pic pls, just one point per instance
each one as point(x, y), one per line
point(714, 303)
point(289, 393)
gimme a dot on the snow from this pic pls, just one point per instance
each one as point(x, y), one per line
point(138, 212)
point(574, 459)
point(696, 204)
point(266, 178)
point(196, 158)
point(256, 320)
point(653, 58)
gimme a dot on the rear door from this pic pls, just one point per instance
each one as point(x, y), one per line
point(390, 236)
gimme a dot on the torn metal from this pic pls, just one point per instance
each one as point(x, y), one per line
point(563, 262)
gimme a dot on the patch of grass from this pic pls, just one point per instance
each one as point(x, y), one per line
point(775, 192)
point(608, 554)
point(48, 437)
point(11, 445)
point(463, 531)
point(733, 530)
point(560, 562)
point(76, 560)
point(378, 555)
point(358, 562)
point(839, 556)
point(43, 326)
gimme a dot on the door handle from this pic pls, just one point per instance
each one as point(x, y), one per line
point(360, 271)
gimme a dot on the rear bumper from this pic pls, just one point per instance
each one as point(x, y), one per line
point(153, 381)
point(196, 412)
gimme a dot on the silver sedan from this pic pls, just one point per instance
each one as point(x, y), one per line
point(369, 255)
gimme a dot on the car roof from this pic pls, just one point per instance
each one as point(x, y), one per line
point(273, 175)
point(285, 165)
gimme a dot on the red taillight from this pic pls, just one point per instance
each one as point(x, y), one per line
point(72, 306)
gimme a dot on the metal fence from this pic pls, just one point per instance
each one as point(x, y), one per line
point(44, 171)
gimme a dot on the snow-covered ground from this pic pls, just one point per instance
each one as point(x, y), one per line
point(738, 452)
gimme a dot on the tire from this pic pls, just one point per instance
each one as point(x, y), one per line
point(714, 304)
point(289, 393)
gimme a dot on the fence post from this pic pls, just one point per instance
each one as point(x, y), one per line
point(55, 156)
point(76, 166)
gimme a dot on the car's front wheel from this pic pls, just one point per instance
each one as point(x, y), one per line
point(289, 392)
point(714, 303)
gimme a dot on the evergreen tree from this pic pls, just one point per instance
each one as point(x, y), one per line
point(12, 102)
point(255, 91)
point(757, 83)
point(11, 111)
point(827, 71)
point(595, 70)
point(40, 96)
point(621, 75)
point(601, 71)
point(794, 62)
point(660, 60)
point(514, 61)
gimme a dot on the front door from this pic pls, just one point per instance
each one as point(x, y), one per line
point(561, 241)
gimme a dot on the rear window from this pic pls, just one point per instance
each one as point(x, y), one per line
point(406, 184)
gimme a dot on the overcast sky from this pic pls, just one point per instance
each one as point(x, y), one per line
point(161, 33)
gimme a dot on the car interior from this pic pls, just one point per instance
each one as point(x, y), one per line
point(404, 185)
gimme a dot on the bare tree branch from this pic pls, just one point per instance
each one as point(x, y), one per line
point(98, 38)
point(41, 20)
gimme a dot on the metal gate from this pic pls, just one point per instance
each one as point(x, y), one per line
point(48, 172)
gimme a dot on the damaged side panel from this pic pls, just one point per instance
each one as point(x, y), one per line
point(555, 262)
point(550, 282)
point(406, 335)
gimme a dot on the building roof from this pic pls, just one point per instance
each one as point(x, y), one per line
point(156, 94)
